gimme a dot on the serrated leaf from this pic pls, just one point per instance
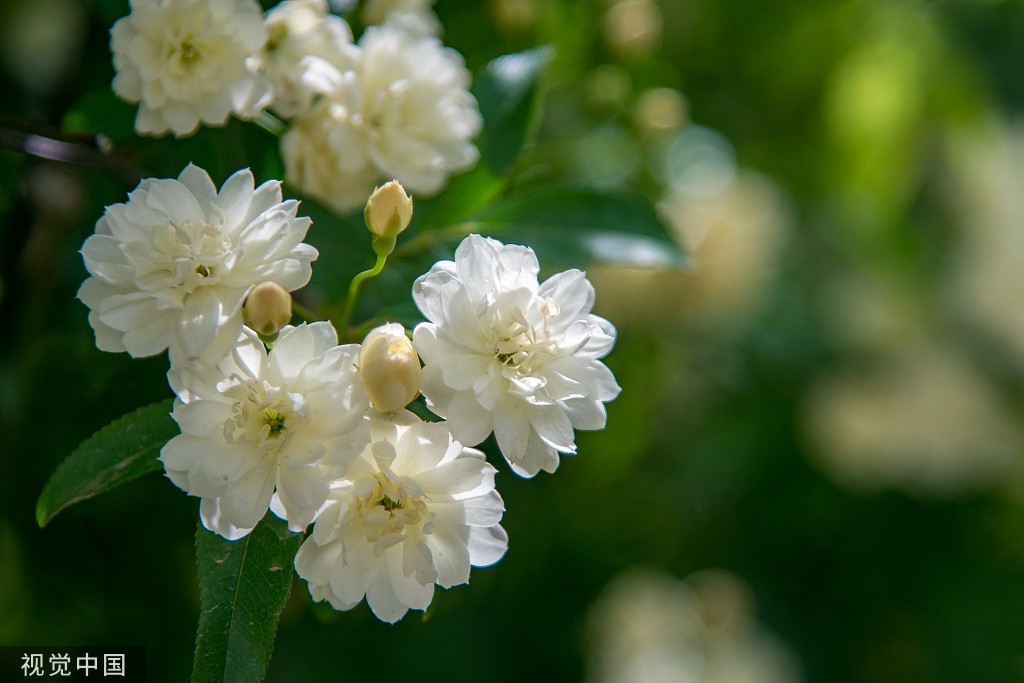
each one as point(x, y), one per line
point(243, 586)
point(571, 227)
point(125, 449)
point(507, 93)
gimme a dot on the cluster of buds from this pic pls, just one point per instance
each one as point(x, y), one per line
point(388, 363)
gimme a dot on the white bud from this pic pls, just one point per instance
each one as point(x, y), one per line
point(390, 368)
point(387, 213)
point(268, 308)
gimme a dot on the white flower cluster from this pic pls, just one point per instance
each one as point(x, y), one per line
point(316, 431)
point(313, 430)
point(394, 105)
point(401, 110)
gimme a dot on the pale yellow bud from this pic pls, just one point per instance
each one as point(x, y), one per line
point(387, 213)
point(268, 308)
point(390, 368)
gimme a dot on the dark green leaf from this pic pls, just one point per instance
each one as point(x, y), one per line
point(575, 227)
point(123, 450)
point(112, 10)
point(465, 194)
point(102, 112)
point(243, 586)
point(344, 245)
point(507, 92)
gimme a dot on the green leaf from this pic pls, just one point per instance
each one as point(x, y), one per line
point(243, 586)
point(571, 227)
point(507, 91)
point(100, 111)
point(125, 449)
point(465, 194)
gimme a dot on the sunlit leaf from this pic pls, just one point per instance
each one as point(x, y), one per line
point(575, 227)
point(507, 92)
point(465, 194)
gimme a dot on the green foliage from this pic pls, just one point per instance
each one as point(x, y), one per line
point(243, 586)
point(112, 10)
point(508, 93)
point(124, 450)
point(576, 227)
point(102, 112)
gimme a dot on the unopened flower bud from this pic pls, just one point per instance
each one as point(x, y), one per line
point(387, 213)
point(390, 368)
point(268, 308)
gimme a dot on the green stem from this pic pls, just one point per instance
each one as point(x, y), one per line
point(353, 293)
point(269, 123)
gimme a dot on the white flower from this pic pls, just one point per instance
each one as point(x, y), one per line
point(416, 13)
point(650, 627)
point(413, 509)
point(258, 422)
point(172, 266)
point(324, 157)
point(402, 112)
point(504, 353)
point(300, 31)
point(189, 61)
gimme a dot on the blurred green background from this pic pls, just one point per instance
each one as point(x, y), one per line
point(814, 471)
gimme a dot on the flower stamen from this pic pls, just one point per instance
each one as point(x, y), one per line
point(389, 504)
point(276, 421)
point(187, 53)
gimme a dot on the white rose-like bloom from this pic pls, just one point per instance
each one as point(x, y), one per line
point(301, 30)
point(172, 266)
point(503, 352)
point(404, 112)
point(414, 508)
point(324, 156)
point(189, 61)
point(256, 423)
